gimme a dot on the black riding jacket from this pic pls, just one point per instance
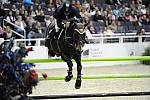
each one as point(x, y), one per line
point(60, 16)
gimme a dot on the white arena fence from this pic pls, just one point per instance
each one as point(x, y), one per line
point(99, 39)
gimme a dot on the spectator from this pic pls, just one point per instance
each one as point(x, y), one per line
point(29, 27)
point(49, 19)
point(30, 19)
point(38, 10)
point(1, 30)
point(133, 7)
point(86, 21)
point(10, 17)
point(145, 21)
point(90, 30)
point(2, 14)
point(120, 17)
point(14, 9)
point(107, 31)
point(40, 17)
point(120, 28)
point(141, 32)
point(22, 10)
point(17, 14)
point(98, 17)
point(79, 6)
point(128, 16)
point(8, 32)
point(116, 10)
point(143, 10)
point(20, 23)
point(113, 26)
point(25, 16)
point(123, 9)
point(31, 11)
point(134, 20)
point(2, 11)
point(37, 31)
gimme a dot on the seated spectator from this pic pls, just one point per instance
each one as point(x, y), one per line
point(78, 5)
point(38, 10)
point(141, 32)
point(2, 32)
point(10, 17)
point(145, 20)
point(17, 14)
point(8, 32)
point(37, 31)
point(20, 23)
point(113, 26)
point(107, 31)
point(14, 9)
point(98, 17)
point(90, 30)
point(49, 19)
point(5, 33)
point(110, 17)
point(30, 19)
point(120, 28)
point(86, 21)
point(40, 17)
point(2, 14)
point(134, 20)
point(133, 7)
point(116, 10)
point(123, 9)
point(31, 11)
point(29, 27)
point(127, 17)
point(22, 10)
point(120, 17)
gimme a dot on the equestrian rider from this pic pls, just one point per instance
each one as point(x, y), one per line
point(65, 14)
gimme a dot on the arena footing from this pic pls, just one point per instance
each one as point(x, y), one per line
point(91, 95)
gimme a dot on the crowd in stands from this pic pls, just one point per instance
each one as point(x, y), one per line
point(100, 16)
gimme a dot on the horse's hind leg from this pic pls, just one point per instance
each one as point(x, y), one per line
point(79, 68)
point(70, 65)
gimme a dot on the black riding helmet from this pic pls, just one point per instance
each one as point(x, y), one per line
point(66, 7)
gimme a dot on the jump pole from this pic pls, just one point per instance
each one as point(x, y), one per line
point(128, 58)
point(91, 95)
point(103, 76)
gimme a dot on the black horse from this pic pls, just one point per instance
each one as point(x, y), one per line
point(68, 45)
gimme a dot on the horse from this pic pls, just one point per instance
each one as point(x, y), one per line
point(69, 46)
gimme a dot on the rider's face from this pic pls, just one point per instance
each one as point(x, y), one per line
point(66, 13)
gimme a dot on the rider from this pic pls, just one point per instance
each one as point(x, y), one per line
point(64, 15)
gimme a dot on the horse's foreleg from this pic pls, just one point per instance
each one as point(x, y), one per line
point(79, 68)
point(70, 65)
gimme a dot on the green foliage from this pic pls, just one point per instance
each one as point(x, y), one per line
point(146, 53)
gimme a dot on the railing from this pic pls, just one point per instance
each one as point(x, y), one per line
point(95, 39)
point(22, 36)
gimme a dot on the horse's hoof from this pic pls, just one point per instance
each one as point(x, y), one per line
point(68, 78)
point(51, 53)
point(78, 83)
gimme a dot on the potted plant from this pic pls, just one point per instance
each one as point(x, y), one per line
point(146, 53)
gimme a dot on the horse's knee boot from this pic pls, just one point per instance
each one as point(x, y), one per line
point(78, 83)
point(69, 76)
